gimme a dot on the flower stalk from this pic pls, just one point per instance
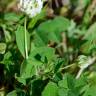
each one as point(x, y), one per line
point(26, 47)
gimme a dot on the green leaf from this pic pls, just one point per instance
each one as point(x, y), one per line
point(63, 83)
point(7, 59)
point(47, 52)
point(58, 63)
point(8, 37)
point(90, 34)
point(13, 93)
point(12, 17)
point(20, 39)
point(90, 37)
point(68, 82)
point(81, 82)
point(62, 92)
point(28, 69)
point(91, 91)
point(67, 92)
point(50, 90)
point(51, 30)
point(73, 92)
point(35, 60)
point(2, 48)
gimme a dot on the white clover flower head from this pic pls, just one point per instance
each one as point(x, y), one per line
point(30, 7)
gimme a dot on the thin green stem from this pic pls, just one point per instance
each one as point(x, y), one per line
point(26, 48)
point(68, 66)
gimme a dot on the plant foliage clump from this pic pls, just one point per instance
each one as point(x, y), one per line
point(51, 54)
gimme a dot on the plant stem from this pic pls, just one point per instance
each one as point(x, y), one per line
point(26, 49)
point(66, 67)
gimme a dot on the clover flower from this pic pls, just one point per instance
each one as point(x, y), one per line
point(30, 7)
